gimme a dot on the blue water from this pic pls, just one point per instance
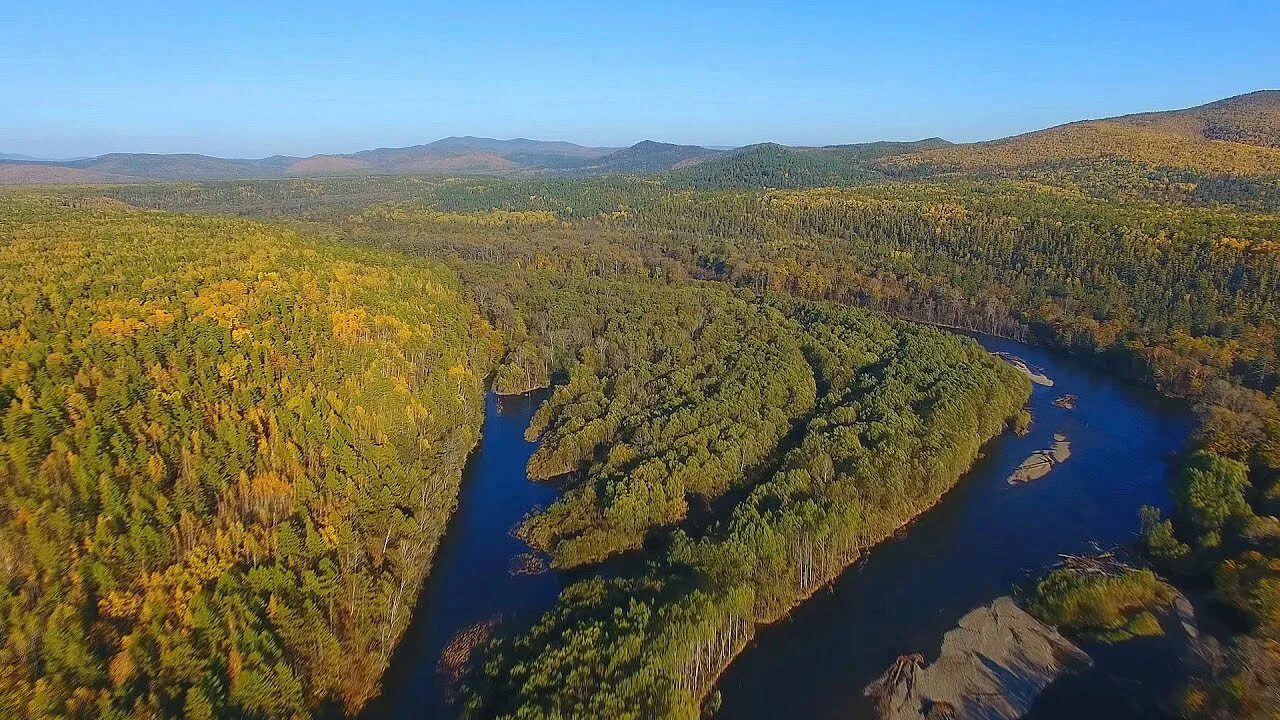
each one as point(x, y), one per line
point(983, 538)
point(471, 579)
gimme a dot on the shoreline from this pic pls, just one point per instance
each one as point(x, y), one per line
point(718, 672)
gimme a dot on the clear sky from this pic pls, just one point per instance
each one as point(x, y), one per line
point(257, 78)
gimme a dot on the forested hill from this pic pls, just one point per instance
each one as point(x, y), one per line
point(450, 155)
point(1234, 138)
point(1251, 119)
point(648, 157)
point(769, 165)
point(228, 453)
point(1227, 150)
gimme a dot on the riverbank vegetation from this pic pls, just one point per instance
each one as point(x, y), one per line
point(902, 413)
point(1171, 280)
point(681, 395)
point(228, 453)
point(1109, 606)
point(1224, 530)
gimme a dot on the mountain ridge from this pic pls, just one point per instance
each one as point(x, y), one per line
point(455, 154)
point(1237, 136)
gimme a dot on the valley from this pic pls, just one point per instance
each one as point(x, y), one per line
point(655, 432)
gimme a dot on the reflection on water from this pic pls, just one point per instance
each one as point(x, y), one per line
point(481, 573)
point(984, 537)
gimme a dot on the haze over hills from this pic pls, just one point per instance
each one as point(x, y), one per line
point(15, 156)
point(449, 155)
point(1238, 136)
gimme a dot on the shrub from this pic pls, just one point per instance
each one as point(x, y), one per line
point(1107, 607)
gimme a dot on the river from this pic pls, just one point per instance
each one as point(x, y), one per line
point(981, 539)
point(472, 580)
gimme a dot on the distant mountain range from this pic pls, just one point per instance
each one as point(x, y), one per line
point(450, 155)
point(1239, 136)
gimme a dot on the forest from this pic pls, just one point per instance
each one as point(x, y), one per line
point(228, 454)
point(1170, 294)
point(900, 413)
point(232, 449)
point(228, 468)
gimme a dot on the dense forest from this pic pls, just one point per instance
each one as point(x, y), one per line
point(1175, 289)
point(900, 414)
point(1011, 258)
point(804, 431)
point(680, 394)
point(230, 447)
point(228, 453)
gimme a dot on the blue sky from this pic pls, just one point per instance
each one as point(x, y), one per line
point(256, 78)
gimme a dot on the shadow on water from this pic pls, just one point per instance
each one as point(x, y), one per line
point(984, 537)
point(471, 580)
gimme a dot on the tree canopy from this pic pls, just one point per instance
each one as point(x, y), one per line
point(227, 454)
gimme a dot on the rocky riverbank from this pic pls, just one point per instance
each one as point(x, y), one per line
point(1036, 375)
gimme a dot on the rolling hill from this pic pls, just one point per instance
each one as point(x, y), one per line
point(28, 173)
point(454, 155)
point(648, 156)
point(1229, 149)
point(1237, 136)
point(1251, 119)
point(183, 166)
point(770, 165)
point(450, 155)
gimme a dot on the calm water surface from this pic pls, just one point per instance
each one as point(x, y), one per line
point(982, 539)
point(471, 580)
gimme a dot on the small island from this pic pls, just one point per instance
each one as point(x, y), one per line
point(1042, 462)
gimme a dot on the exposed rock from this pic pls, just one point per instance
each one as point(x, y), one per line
point(1036, 374)
point(992, 666)
point(1061, 449)
point(1066, 402)
point(1042, 462)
